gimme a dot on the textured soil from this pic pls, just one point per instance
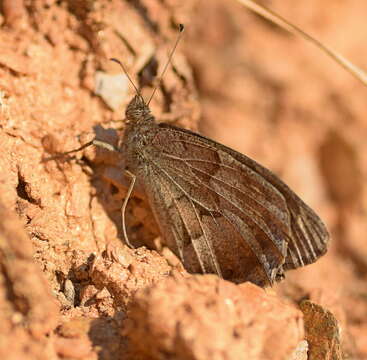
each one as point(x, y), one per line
point(236, 78)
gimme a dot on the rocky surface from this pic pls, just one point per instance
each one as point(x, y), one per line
point(204, 317)
point(238, 79)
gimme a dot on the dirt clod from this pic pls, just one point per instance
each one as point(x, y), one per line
point(204, 317)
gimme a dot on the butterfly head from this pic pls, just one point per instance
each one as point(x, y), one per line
point(137, 109)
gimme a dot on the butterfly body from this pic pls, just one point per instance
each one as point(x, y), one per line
point(218, 210)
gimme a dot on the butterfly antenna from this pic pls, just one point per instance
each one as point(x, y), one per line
point(127, 74)
point(181, 28)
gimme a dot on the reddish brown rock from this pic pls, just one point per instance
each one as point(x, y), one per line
point(74, 348)
point(121, 280)
point(204, 317)
point(28, 311)
point(322, 332)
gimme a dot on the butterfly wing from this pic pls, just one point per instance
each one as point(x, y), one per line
point(223, 213)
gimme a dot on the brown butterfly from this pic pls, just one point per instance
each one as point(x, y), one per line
point(218, 210)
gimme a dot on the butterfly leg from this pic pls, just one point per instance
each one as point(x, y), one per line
point(107, 146)
point(123, 209)
point(111, 250)
point(94, 142)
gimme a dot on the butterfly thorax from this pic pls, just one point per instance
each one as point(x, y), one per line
point(139, 132)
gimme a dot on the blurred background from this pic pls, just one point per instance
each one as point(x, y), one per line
point(236, 78)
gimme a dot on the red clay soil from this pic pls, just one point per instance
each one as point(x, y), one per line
point(238, 79)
